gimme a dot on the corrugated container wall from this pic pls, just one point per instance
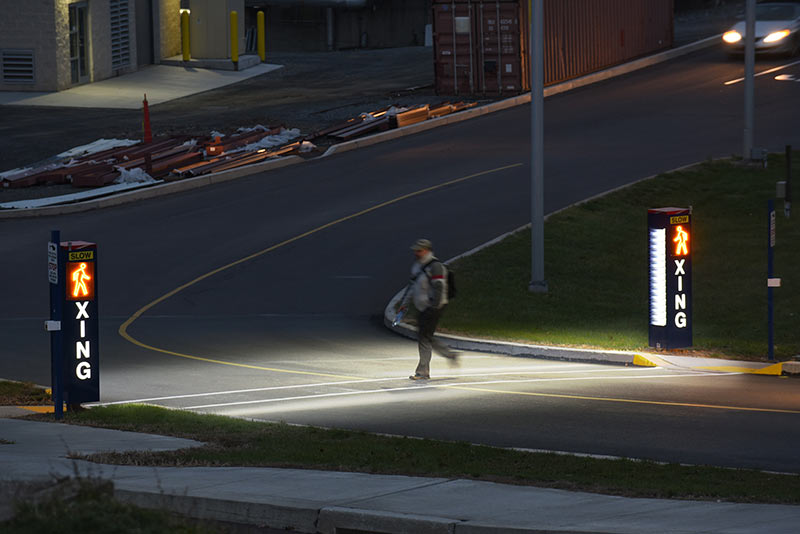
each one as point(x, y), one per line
point(481, 47)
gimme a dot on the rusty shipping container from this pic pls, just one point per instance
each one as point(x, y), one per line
point(481, 47)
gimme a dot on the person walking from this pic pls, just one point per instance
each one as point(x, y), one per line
point(428, 289)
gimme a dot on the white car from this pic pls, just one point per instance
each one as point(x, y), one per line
point(777, 30)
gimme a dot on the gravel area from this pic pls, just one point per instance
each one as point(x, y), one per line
point(312, 91)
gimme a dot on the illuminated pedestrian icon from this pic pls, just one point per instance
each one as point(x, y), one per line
point(682, 240)
point(79, 278)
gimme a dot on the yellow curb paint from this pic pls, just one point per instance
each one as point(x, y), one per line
point(40, 409)
point(772, 370)
point(641, 361)
point(123, 329)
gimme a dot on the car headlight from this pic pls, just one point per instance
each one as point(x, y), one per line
point(732, 37)
point(776, 36)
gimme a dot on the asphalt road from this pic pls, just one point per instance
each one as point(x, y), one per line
point(293, 333)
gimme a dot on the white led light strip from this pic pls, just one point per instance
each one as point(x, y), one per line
point(658, 277)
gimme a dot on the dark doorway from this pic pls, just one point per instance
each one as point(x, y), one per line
point(78, 43)
point(144, 32)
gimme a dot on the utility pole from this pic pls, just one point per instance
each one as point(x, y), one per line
point(538, 284)
point(749, 67)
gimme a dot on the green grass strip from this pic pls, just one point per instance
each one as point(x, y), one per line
point(596, 266)
point(236, 442)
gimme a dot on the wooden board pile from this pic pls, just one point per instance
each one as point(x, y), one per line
point(388, 118)
point(168, 159)
point(179, 157)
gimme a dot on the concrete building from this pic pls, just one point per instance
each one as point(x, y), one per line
point(51, 45)
point(318, 25)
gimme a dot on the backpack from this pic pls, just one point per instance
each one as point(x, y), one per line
point(451, 278)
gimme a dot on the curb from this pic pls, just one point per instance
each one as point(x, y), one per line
point(292, 518)
point(524, 350)
point(562, 87)
point(309, 520)
point(613, 357)
point(10, 412)
point(154, 191)
point(335, 519)
point(790, 368)
point(546, 352)
point(201, 181)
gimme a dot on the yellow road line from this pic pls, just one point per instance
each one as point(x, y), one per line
point(123, 329)
point(631, 401)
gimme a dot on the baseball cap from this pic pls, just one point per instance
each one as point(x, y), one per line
point(422, 244)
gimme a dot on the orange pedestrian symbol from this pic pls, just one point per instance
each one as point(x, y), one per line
point(79, 278)
point(682, 240)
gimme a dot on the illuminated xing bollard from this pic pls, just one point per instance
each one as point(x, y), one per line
point(670, 231)
point(80, 323)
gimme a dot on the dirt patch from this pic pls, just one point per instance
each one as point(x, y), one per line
point(22, 394)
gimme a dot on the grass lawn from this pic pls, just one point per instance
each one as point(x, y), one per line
point(236, 442)
point(596, 266)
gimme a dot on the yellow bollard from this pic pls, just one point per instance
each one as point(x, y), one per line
point(234, 37)
point(187, 55)
point(262, 37)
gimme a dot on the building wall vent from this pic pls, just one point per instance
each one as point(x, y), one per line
point(120, 34)
point(18, 66)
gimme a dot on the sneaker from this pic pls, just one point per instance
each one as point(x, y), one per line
point(419, 377)
point(453, 359)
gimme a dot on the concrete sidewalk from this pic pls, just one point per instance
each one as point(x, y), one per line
point(161, 83)
point(324, 501)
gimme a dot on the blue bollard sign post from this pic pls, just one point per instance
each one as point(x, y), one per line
point(55, 277)
point(772, 282)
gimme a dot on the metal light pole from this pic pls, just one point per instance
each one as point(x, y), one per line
point(538, 283)
point(749, 67)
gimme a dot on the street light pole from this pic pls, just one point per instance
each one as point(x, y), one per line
point(749, 67)
point(538, 283)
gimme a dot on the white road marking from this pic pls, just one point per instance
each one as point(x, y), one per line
point(436, 386)
point(769, 71)
point(364, 381)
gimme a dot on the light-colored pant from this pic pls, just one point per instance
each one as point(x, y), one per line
point(427, 322)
